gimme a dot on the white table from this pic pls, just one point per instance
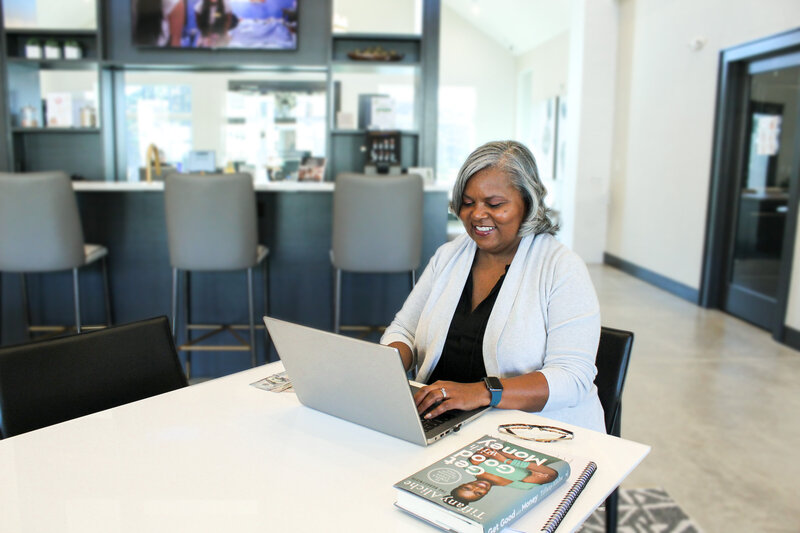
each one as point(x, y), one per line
point(225, 456)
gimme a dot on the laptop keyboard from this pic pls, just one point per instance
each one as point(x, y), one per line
point(429, 423)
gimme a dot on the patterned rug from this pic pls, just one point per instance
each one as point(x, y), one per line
point(644, 511)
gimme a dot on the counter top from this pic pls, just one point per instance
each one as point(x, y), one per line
point(265, 186)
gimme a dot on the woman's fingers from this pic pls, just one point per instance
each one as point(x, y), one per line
point(442, 396)
point(427, 397)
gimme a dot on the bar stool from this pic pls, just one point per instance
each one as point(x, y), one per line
point(212, 226)
point(377, 228)
point(40, 231)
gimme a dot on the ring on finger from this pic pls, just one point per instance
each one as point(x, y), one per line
point(444, 393)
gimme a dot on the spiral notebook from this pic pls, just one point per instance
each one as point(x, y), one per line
point(569, 498)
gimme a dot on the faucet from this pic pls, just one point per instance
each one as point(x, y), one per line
point(153, 159)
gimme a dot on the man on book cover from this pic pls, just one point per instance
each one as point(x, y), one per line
point(503, 470)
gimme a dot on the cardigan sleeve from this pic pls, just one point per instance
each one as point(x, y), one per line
point(573, 333)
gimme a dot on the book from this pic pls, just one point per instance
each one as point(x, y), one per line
point(481, 487)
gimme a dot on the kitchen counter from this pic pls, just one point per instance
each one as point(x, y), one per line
point(261, 186)
point(294, 221)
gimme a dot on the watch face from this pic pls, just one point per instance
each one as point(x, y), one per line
point(493, 383)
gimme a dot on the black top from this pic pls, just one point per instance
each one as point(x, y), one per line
point(462, 357)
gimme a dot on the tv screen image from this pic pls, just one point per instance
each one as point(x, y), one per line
point(218, 24)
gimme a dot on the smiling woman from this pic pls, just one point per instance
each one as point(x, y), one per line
point(504, 315)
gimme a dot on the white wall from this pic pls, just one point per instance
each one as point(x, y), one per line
point(66, 13)
point(547, 68)
point(63, 14)
point(664, 125)
point(469, 58)
point(590, 113)
point(549, 63)
point(369, 16)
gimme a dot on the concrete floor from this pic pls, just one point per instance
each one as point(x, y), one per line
point(719, 402)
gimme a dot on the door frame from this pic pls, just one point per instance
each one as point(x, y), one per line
point(777, 51)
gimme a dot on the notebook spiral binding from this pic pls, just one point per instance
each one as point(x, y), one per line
point(569, 498)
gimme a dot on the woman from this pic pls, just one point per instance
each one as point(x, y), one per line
point(514, 473)
point(504, 315)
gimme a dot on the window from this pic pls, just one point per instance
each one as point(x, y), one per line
point(256, 122)
point(157, 114)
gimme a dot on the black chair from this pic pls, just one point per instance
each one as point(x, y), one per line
point(613, 355)
point(51, 381)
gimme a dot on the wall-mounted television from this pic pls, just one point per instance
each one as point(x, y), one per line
point(216, 24)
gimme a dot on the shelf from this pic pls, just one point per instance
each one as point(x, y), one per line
point(16, 41)
point(408, 46)
point(230, 67)
point(368, 37)
point(20, 130)
point(410, 133)
point(374, 67)
point(56, 64)
point(37, 32)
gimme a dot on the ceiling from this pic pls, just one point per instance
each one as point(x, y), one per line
point(519, 25)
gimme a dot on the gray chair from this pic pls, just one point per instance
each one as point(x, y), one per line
point(212, 226)
point(377, 228)
point(40, 231)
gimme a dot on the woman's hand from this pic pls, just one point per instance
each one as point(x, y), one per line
point(464, 396)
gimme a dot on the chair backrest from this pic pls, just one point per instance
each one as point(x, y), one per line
point(40, 227)
point(211, 221)
point(613, 356)
point(52, 381)
point(377, 223)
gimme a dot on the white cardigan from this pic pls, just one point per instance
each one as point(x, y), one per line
point(546, 318)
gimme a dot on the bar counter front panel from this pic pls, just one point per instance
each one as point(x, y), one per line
point(294, 222)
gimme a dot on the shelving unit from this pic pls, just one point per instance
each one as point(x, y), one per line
point(17, 38)
point(79, 151)
point(99, 153)
point(347, 146)
point(54, 131)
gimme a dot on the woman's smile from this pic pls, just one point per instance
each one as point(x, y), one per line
point(483, 230)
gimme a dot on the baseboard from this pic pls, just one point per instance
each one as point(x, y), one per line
point(791, 337)
point(648, 276)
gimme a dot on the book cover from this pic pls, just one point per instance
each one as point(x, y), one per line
point(482, 487)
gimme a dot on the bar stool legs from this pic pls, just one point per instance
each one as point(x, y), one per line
point(267, 345)
point(23, 282)
point(174, 299)
point(189, 344)
point(250, 316)
point(76, 299)
point(107, 289)
point(337, 301)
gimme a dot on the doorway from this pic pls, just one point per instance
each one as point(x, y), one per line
point(755, 182)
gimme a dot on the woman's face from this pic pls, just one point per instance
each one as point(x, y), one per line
point(474, 490)
point(492, 211)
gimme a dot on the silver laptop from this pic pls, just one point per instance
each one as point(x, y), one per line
point(358, 381)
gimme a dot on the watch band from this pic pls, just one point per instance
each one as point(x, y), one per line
point(495, 388)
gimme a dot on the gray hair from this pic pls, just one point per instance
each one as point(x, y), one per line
point(518, 163)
